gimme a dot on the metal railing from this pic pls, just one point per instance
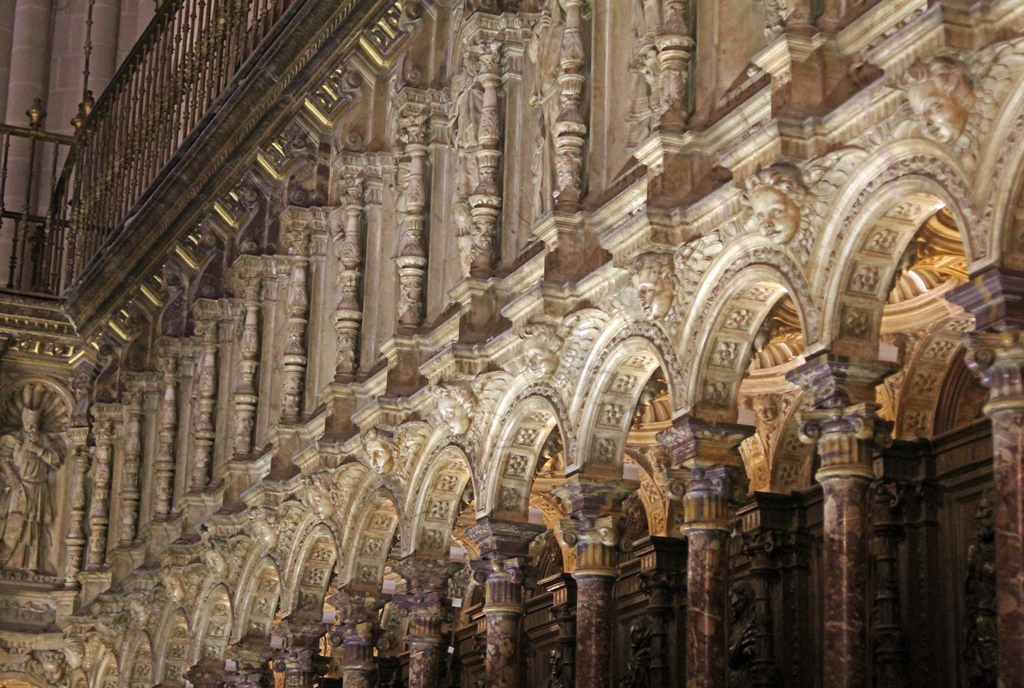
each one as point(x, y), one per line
point(185, 59)
point(32, 243)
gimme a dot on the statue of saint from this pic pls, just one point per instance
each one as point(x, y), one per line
point(26, 457)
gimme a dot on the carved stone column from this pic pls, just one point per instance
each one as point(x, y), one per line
point(763, 545)
point(359, 612)
point(296, 230)
point(594, 530)
point(348, 248)
point(129, 505)
point(843, 426)
point(248, 274)
point(300, 661)
point(570, 129)
point(99, 508)
point(163, 468)
point(485, 202)
point(504, 549)
point(77, 438)
point(710, 452)
point(661, 564)
point(427, 580)
point(207, 316)
point(412, 250)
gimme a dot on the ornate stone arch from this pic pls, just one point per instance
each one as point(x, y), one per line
point(315, 563)
point(524, 427)
point(436, 500)
point(139, 668)
point(171, 659)
point(611, 384)
point(727, 323)
point(108, 673)
point(858, 281)
point(376, 518)
point(212, 625)
point(257, 600)
point(792, 460)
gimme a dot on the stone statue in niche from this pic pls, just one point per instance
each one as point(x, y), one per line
point(545, 52)
point(774, 197)
point(980, 634)
point(464, 122)
point(940, 94)
point(557, 663)
point(742, 651)
point(28, 457)
point(639, 664)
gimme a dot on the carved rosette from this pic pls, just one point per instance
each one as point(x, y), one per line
point(296, 229)
point(248, 272)
point(163, 479)
point(412, 253)
point(348, 241)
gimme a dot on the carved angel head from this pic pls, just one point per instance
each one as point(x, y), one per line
point(455, 406)
point(654, 280)
point(940, 93)
point(379, 450)
point(774, 197)
point(321, 491)
point(541, 344)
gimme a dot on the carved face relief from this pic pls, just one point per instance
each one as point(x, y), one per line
point(655, 288)
point(381, 456)
point(940, 93)
point(541, 345)
point(777, 216)
point(455, 408)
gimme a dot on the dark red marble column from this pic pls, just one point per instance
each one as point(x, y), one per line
point(996, 353)
point(300, 660)
point(999, 359)
point(358, 610)
point(427, 580)
point(504, 548)
point(594, 530)
point(705, 457)
point(843, 426)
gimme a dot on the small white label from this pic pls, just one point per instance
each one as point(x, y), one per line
point(536, 517)
point(389, 587)
point(630, 471)
point(451, 650)
point(457, 602)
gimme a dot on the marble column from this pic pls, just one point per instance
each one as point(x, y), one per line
point(995, 352)
point(504, 549)
point(594, 529)
point(359, 610)
point(300, 661)
point(843, 426)
point(427, 582)
point(709, 453)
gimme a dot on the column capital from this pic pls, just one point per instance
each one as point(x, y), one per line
point(425, 575)
point(845, 437)
point(693, 441)
point(498, 539)
point(301, 633)
point(995, 297)
point(207, 674)
point(839, 380)
point(357, 606)
point(997, 358)
point(591, 496)
point(710, 494)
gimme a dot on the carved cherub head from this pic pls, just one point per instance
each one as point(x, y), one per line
point(541, 345)
point(654, 280)
point(455, 407)
point(378, 449)
point(30, 420)
point(940, 93)
point(774, 197)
